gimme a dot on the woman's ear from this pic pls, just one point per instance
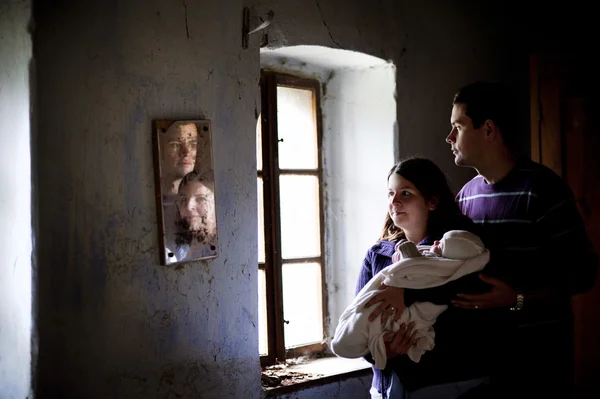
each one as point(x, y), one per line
point(433, 203)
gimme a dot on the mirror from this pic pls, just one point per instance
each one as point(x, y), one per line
point(185, 190)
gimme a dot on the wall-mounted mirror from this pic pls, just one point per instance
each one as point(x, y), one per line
point(185, 190)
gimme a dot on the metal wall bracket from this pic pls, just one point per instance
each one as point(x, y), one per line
point(246, 32)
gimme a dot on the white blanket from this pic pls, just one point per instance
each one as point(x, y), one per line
point(355, 336)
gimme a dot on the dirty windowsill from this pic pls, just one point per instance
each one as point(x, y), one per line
point(295, 376)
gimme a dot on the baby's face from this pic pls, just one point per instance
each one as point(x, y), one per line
point(436, 248)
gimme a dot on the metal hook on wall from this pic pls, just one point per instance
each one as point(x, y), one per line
point(246, 32)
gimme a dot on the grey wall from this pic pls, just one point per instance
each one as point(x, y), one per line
point(15, 201)
point(111, 321)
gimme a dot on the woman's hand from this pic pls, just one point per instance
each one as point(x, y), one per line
point(391, 303)
point(399, 342)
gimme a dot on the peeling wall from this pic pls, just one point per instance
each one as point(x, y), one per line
point(15, 201)
point(111, 321)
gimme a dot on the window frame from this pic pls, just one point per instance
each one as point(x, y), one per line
point(270, 173)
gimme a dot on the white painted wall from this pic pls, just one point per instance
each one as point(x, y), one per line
point(299, 63)
point(15, 201)
point(359, 117)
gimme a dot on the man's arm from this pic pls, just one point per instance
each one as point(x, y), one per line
point(563, 264)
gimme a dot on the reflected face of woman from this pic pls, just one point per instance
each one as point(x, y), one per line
point(196, 206)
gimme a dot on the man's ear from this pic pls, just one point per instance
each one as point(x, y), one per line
point(491, 130)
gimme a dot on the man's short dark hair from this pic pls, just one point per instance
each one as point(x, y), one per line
point(494, 101)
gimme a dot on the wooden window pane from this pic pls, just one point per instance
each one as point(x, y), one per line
point(302, 304)
point(263, 342)
point(259, 154)
point(297, 131)
point(261, 221)
point(299, 213)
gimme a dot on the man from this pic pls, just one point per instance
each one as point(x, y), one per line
point(178, 154)
point(540, 253)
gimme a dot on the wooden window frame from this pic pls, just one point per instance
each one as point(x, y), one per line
point(270, 175)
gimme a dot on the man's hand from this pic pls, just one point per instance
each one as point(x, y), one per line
point(500, 295)
point(392, 300)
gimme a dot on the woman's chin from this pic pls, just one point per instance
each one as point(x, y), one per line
point(399, 220)
point(195, 223)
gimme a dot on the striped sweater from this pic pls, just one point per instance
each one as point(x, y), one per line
point(530, 223)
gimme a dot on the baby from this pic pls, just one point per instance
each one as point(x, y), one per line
point(455, 244)
point(457, 254)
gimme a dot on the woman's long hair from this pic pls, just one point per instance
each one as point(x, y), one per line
point(428, 178)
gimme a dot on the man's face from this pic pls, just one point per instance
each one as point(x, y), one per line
point(196, 207)
point(466, 142)
point(179, 150)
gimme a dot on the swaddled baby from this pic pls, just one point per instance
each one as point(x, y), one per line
point(457, 254)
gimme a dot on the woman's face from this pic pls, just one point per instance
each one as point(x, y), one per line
point(407, 207)
point(196, 206)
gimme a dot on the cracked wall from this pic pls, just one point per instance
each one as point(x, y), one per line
point(111, 322)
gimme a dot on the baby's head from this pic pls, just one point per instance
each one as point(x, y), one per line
point(458, 244)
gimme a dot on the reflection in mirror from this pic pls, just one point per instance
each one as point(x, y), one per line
point(185, 190)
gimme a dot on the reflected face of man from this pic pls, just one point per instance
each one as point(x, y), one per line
point(179, 150)
point(196, 207)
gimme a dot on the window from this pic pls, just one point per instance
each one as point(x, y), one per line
point(292, 305)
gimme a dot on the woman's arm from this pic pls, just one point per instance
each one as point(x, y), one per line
point(390, 299)
point(366, 271)
point(364, 276)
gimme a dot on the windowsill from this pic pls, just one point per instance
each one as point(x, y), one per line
point(319, 372)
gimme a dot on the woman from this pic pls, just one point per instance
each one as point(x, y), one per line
point(196, 236)
point(421, 208)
